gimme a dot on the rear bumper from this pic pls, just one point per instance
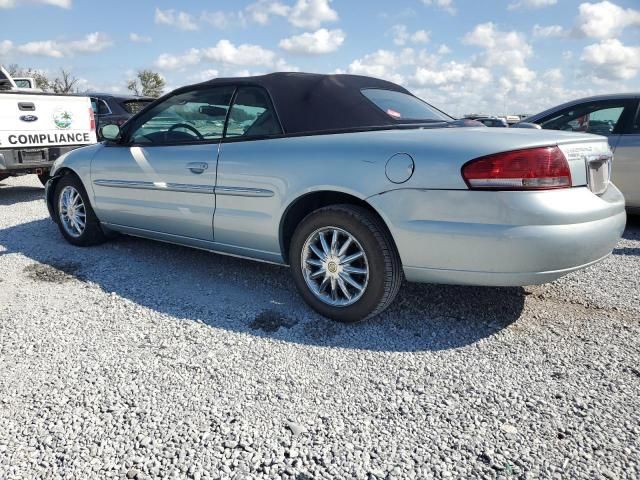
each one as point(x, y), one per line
point(12, 162)
point(501, 238)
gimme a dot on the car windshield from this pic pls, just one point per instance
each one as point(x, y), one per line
point(404, 107)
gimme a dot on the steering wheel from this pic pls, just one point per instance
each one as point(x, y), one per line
point(188, 127)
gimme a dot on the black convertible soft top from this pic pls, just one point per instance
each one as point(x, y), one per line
point(311, 102)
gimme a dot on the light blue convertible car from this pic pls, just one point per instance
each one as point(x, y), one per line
point(352, 181)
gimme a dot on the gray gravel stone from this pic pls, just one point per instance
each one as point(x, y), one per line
point(136, 359)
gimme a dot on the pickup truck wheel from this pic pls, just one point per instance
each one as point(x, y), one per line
point(2, 177)
point(43, 178)
point(344, 263)
point(75, 217)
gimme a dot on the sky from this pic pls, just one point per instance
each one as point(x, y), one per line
point(463, 56)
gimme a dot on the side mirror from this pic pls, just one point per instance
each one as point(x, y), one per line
point(110, 132)
point(526, 125)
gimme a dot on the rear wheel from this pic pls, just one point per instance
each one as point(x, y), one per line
point(344, 263)
point(75, 217)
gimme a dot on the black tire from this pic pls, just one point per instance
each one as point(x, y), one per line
point(384, 265)
point(3, 176)
point(92, 234)
point(43, 178)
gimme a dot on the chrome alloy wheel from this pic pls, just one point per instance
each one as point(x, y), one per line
point(335, 266)
point(72, 212)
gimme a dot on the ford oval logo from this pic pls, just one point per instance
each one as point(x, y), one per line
point(28, 118)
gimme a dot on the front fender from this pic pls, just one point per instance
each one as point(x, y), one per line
point(49, 189)
point(76, 162)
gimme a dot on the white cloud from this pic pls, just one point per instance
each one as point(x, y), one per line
point(531, 4)
point(451, 72)
point(319, 42)
point(308, 14)
point(167, 61)
point(262, 10)
point(312, 13)
point(222, 20)
point(92, 43)
point(385, 64)
point(605, 19)
point(204, 75)
point(246, 55)
point(402, 36)
point(226, 55)
point(16, 3)
point(179, 20)
point(137, 38)
point(554, 75)
point(443, 50)
point(45, 48)
point(5, 47)
point(446, 5)
point(610, 59)
point(548, 31)
point(508, 49)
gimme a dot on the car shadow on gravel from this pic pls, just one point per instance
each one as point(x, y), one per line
point(10, 195)
point(256, 298)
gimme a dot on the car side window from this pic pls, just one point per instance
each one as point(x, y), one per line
point(252, 115)
point(103, 108)
point(600, 118)
point(189, 117)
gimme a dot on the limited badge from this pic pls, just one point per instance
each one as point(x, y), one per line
point(62, 118)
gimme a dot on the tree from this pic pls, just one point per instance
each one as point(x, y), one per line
point(147, 83)
point(66, 83)
point(39, 76)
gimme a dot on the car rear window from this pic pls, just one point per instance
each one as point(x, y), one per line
point(403, 107)
point(134, 106)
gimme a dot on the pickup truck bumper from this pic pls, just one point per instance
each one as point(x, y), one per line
point(27, 160)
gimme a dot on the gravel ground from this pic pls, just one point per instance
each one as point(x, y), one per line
point(137, 359)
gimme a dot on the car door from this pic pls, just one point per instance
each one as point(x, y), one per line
point(626, 165)
point(160, 177)
point(601, 117)
point(249, 188)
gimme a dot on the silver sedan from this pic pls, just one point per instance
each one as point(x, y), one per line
point(352, 181)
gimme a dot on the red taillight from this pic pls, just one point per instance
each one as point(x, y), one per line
point(531, 169)
point(92, 121)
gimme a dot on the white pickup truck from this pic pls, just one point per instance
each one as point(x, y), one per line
point(36, 128)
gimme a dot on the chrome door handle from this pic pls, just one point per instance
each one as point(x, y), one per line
point(197, 167)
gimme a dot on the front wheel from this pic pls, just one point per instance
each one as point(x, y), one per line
point(75, 217)
point(344, 263)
